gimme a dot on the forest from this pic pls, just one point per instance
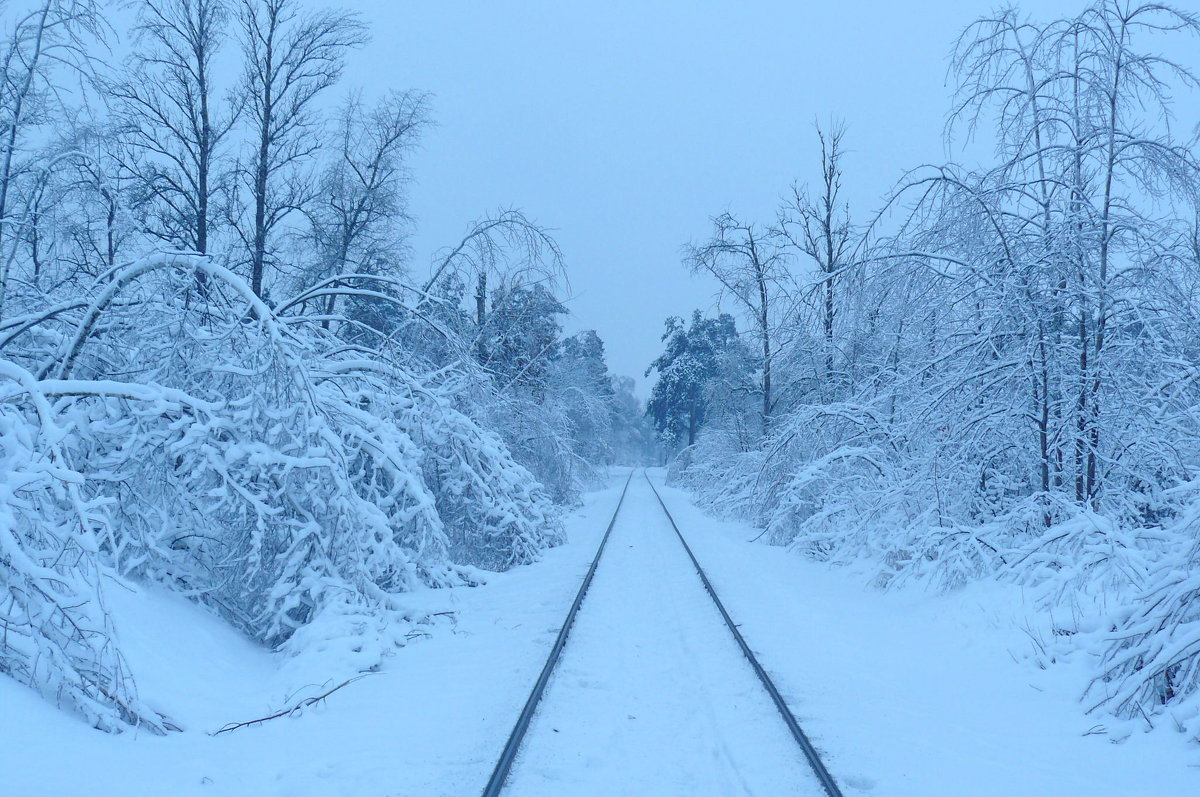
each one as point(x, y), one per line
point(222, 371)
point(994, 376)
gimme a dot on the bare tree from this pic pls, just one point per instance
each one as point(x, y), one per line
point(750, 264)
point(97, 189)
point(291, 58)
point(360, 213)
point(74, 219)
point(820, 228)
point(47, 38)
point(172, 121)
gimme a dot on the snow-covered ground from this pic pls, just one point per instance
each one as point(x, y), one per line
point(911, 693)
point(431, 723)
point(652, 695)
point(906, 693)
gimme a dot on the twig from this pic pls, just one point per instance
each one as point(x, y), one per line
point(303, 704)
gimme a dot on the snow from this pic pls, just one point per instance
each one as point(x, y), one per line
point(918, 693)
point(652, 695)
point(905, 692)
point(430, 723)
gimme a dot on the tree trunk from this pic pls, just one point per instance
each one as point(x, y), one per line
point(481, 300)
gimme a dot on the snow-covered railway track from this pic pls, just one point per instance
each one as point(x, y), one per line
point(806, 746)
point(651, 697)
point(504, 764)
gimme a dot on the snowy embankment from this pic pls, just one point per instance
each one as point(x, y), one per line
point(429, 723)
point(920, 693)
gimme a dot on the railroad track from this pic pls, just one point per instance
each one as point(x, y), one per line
point(500, 774)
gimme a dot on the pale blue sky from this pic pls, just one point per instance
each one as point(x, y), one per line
point(625, 125)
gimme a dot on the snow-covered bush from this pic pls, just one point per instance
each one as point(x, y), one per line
point(253, 462)
point(1152, 663)
point(1149, 643)
point(491, 512)
point(233, 472)
point(496, 515)
point(55, 633)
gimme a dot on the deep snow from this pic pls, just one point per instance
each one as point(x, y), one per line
point(906, 693)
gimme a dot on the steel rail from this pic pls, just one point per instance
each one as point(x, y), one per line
point(504, 765)
point(810, 752)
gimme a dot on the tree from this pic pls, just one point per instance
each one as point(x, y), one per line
point(1023, 392)
point(1082, 168)
point(360, 211)
point(582, 384)
point(820, 228)
point(46, 38)
point(585, 351)
point(172, 119)
point(751, 267)
point(506, 248)
point(295, 471)
point(95, 220)
point(679, 400)
point(291, 57)
point(520, 338)
point(633, 438)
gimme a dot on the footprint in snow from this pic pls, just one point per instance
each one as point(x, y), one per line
point(859, 782)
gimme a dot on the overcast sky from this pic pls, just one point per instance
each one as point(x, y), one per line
point(626, 125)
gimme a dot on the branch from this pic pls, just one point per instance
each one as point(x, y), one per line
point(287, 712)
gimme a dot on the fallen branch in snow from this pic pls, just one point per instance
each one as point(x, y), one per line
point(287, 712)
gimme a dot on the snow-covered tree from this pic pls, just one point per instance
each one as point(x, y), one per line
point(751, 265)
point(1015, 392)
point(295, 465)
point(689, 372)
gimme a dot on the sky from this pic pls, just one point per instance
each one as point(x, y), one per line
point(625, 126)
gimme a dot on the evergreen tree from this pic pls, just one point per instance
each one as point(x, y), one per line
point(680, 400)
point(520, 337)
